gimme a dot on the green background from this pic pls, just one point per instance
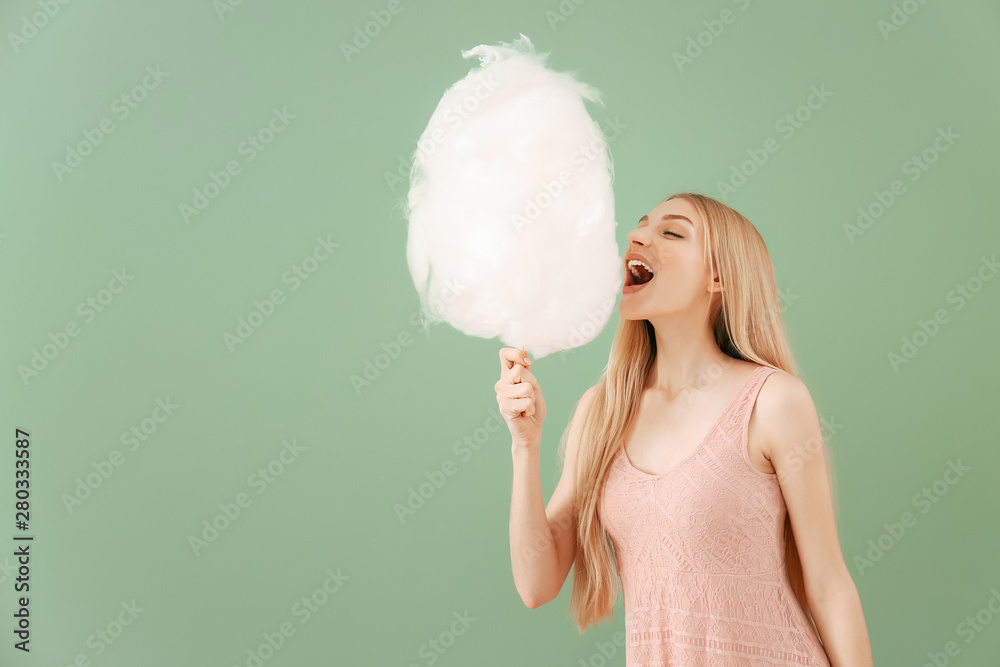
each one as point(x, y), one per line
point(849, 303)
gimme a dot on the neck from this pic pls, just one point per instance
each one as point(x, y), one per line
point(687, 356)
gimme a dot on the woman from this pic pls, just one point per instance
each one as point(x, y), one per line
point(705, 534)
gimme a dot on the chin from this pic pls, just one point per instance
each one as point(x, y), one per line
point(628, 312)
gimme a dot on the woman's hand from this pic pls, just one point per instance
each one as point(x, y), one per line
point(520, 398)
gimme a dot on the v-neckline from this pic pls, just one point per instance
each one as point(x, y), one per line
point(704, 441)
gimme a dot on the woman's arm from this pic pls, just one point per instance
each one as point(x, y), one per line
point(788, 428)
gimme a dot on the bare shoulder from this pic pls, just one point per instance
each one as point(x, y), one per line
point(783, 410)
point(781, 392)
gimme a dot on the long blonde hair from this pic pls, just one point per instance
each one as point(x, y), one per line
point(748, 325)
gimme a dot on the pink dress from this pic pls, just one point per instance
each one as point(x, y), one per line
point(700, 552)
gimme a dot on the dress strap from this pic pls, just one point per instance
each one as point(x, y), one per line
point(750, 393)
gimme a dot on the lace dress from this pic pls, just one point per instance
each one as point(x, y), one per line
point(700, 553)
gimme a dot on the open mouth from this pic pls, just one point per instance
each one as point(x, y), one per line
point(638, 273)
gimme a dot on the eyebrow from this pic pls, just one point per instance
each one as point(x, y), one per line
point(668, 216)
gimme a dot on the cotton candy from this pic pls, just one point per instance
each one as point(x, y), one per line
point(511, 227)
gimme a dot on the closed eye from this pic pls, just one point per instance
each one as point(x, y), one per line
point(677, 235)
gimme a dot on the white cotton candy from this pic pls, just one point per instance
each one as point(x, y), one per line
point(511, 211)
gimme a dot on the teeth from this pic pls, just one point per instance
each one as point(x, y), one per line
point(632, 264)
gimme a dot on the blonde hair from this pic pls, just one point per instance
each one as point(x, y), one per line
point(748, 325)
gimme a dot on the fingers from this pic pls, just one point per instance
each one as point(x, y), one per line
point(512, 356)
point(514, 399)
point(518, 390)
point(517, 374)
point(517, 386)
point(517, 406)
point(508, 357)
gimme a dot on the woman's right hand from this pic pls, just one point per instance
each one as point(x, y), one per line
point(520, 398)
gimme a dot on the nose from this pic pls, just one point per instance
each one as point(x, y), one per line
point(635, 237)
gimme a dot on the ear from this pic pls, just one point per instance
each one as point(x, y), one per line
point(716, 284)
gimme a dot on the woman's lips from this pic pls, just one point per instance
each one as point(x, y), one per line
point(629, 289)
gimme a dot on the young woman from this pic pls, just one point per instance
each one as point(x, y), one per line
point(695, 468)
